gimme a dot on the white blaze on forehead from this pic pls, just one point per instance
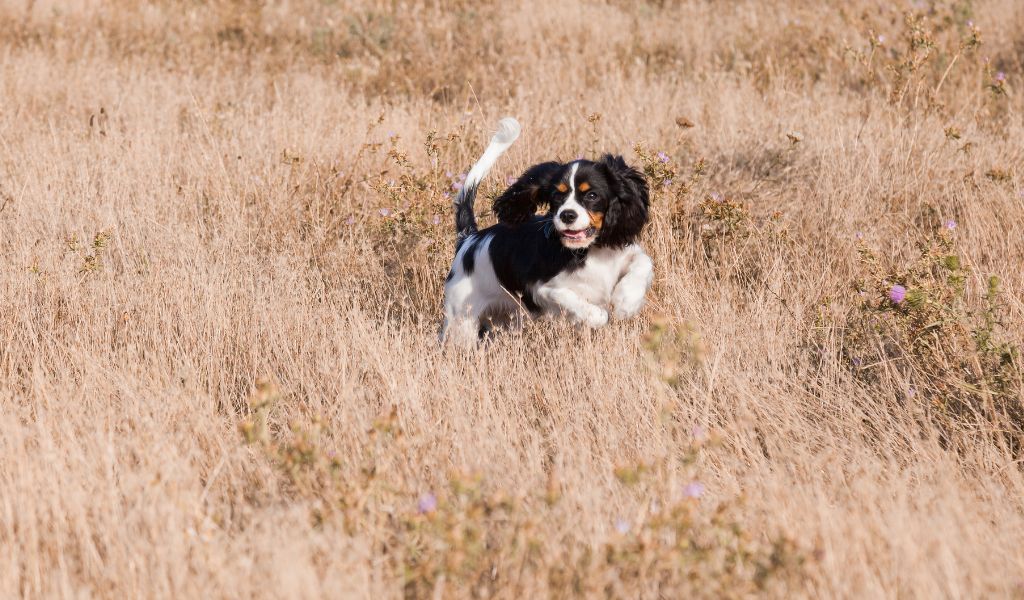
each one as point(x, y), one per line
point(572, 180)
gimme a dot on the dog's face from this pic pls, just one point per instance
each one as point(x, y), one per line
point(601, 203)
point(579, 202)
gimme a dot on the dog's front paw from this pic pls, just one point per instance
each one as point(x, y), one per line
point(595, 316)
point(627, 306)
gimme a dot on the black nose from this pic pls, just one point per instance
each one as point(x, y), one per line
point(568, 216)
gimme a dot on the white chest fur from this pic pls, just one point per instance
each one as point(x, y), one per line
point(596, 280)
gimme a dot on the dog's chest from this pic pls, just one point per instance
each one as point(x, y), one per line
point(596, 279)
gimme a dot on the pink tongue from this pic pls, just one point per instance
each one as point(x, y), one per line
point(575, 234)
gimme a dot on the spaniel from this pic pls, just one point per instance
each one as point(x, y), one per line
point(579, 259)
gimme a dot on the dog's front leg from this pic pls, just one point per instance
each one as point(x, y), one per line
point(630, 292)
point(569, 302)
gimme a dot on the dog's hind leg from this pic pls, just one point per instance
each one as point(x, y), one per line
point(463, 306)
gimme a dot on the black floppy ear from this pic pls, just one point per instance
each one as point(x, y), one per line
point(627, 210)
point(520, 201)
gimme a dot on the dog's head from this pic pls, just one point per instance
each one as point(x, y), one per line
point(601, 203)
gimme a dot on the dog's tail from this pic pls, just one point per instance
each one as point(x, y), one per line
point(465, 222)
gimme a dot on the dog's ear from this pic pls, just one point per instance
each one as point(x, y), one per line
point(534, 188)
point(627, 210)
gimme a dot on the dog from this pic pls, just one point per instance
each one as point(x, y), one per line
point(579, 260)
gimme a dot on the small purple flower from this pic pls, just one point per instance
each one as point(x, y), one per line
point(462, 176)
point(666, 183)
point(392, 134)
point(510, 180)
point(857, 362)
point(859, 235)
point(911, 392)
point(384, 212)
point(897, 294)
point(436, 219)
point(699, 433)
point(457, 186)
point(622, 526)
point(694, 489)
point(950, 224)
point(1000, 77)
point(881, 40)
point(579, 157)
point(427, 503)
point(970, 23)
point(350, 221)
point(717, 197)
point(447, 195)
point(662, 157)
point(448, 174)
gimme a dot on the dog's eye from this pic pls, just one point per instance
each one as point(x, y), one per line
point(590, 196)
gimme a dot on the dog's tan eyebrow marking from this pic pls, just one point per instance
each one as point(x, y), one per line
point(562, 188)
point(584, 186)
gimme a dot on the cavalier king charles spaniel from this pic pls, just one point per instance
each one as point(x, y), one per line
point(579, 259)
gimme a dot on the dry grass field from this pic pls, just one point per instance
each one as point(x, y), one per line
point(225, 227)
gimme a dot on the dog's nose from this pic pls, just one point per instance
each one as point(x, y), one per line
point(568, 216)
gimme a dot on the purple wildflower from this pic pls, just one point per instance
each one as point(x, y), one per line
point(462, 176)
point(457, 185)
point(350, 221)
point(448, 174)
point(666, 183)
point(859, 235)
point(384, 212)
point(950, 224)
point(897, 294)
point(699, 433)
point(436, 219)
point(857, 362)
point(717, 197)
point(662, 157)
point(1000, 77)
point(447, 195)
point(694, 489)
point(427, 503)
point(622, 526)
point(579, 157)
point(510, 180)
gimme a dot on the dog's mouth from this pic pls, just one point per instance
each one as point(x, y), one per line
point(579, 235)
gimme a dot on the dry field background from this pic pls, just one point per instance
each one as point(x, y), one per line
point(225, 228)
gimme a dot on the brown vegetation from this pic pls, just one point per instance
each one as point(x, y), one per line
point(225, 228)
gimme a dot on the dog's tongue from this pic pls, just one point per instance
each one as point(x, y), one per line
point(576, 235)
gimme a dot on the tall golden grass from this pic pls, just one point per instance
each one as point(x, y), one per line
point(224, 229)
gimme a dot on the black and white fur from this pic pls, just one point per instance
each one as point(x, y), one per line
point(579, 260)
